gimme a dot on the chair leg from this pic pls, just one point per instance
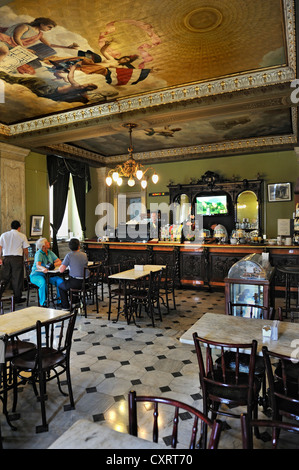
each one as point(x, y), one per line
point(44, 426)
point(167, 301)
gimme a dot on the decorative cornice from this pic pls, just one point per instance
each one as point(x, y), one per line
point(162, 97)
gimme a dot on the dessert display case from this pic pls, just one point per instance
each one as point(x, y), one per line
point(250, 281)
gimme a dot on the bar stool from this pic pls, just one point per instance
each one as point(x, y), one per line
point(291, 274)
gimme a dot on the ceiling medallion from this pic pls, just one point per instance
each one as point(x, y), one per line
point(203, 19)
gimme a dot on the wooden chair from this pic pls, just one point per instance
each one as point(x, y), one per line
point(198, 418)
point(255, 312)
point(3, 299)
point(276, 426)
point(167, 287)
point(115, 288)
point(48, 361)
point(251, 311)
point(147, 296)
point(30, 286)
point(283, 385)
point(92, 280)
point(222, 385)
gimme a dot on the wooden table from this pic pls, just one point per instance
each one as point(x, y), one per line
point(20, 321)
point(85, 434)
point(231, 329)
point(131, 275)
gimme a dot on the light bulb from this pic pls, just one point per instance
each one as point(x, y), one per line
point(143, 184)
point(119, 181)
point(155, 178)
point(139, 174)
point(109, 181)
point(131, 182)
point(115, 176)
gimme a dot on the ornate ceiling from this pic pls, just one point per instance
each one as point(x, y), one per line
point(199, 78)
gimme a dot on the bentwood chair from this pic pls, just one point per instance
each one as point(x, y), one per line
point(92, 280)
point(276, 427)
point(251, 311)
point(48, 361)
point(115, 287)
point(182, 413)
point(29, 285)
point(254, 312)
point(3, 299)
point(222, 385)
point(167, 287)
point(146, 295)
point(283, 385)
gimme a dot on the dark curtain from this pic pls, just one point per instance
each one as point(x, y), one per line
point(59, 170)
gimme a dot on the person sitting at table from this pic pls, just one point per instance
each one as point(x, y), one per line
point(76, 261)
point(43, 257)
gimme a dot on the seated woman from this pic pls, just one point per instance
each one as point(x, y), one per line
point(76, 261)
point(42, 257)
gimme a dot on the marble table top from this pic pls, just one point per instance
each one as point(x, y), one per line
point(25, 319)
point(134, 274)
point(232, 329)
point(86, 434)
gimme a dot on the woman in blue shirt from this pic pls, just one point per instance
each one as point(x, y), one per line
point(42, 257)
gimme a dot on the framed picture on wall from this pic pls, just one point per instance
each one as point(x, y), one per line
point(279, 192)
point(37, 223)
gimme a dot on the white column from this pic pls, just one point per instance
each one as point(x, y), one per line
point(12, 187)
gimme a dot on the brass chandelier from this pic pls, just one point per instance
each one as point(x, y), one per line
point(130, 169)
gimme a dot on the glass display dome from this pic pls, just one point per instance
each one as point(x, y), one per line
point(250, 281)
point(251, 267)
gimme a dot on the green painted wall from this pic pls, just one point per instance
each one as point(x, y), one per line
point(273, 168)
point(37, 190)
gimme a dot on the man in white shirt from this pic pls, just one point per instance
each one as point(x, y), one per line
point(13, 249)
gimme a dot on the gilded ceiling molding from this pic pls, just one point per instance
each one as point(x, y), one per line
point(175, 95)
point(66, 150)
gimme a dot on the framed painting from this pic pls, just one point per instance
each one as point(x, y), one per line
point(279, 192)
point(37, 223)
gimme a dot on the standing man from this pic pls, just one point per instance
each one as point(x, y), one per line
point(13, 249)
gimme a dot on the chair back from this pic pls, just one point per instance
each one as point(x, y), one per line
point(54, 336)
point(127, 264)
point(248, 424)
point(251, 311)
point(112, 269)
point(283, 384)
point(198, 419)
point(220, 378)
point(92, 275)
point(154, 285)
point(5, 299)
point(28, 267)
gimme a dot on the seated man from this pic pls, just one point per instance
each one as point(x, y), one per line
point(76, 261)
point(42, 258)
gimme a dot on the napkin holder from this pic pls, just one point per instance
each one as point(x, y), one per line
point(267, 331)
point(271, 332)
point(138, 267)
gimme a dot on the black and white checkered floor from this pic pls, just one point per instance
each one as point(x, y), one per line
point(109, 359)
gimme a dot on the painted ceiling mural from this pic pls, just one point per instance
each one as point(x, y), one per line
point(62, 56)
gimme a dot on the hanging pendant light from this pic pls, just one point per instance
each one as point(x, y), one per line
point(131, 170)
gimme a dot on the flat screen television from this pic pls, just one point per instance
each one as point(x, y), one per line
point(212, 205)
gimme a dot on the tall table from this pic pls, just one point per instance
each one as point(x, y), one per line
point(232, 329)
point(134, 275)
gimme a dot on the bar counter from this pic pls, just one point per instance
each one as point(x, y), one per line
point(204, 265)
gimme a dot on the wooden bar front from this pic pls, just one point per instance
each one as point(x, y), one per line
point(196, 265)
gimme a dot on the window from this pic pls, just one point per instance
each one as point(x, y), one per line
point(71, 226)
